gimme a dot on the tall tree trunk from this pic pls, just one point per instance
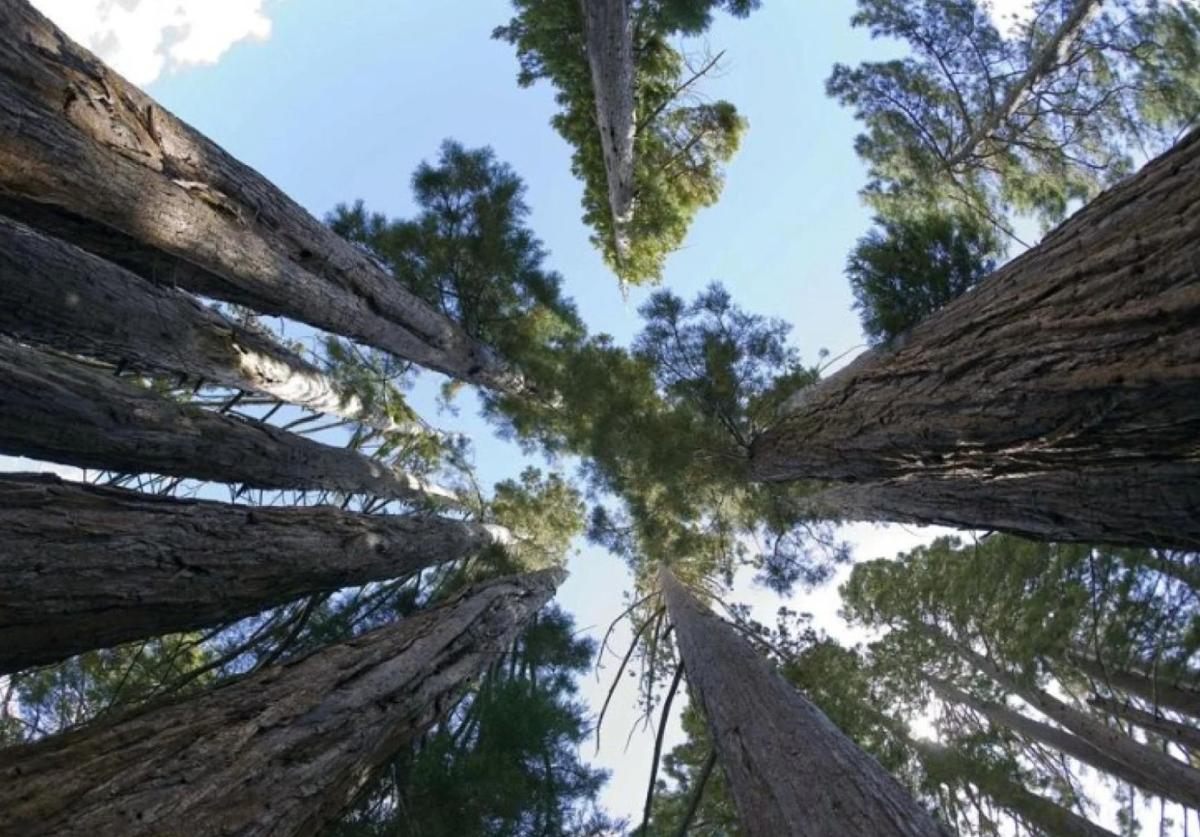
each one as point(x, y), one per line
point(1049, 58)
point(58, 410)
point(608, 39)
point(791, 771)
point(1055, 738)
point(57, 295)
point(277, 753)
point(1185, 735)
point(89, 157)
point(1155, 690)
point(950, 767)
point(1069, 380)
point(86, 567)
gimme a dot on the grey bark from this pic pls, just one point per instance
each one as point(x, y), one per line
point(277, 753)
point(791, 771)
point(1064, 390)
point(1185, 735)
point(608, 40)
point(57, 295)
point(1157, 691)
point(86, 567)
point(89, 157)
point(59, 410)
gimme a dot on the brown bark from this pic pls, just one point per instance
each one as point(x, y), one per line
point(277, 753)
point(85, 567)
point(1185, 735)
point(1157, 691)
point(57, 295)
point(1064, 390)
point(89, 157)
point(791, 771)
point(59, 410)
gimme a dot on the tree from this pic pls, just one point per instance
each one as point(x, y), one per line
point(278, 752)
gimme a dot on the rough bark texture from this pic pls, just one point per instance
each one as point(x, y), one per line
point(58, 295)
point(1182, 734)
point(1079, 359)
point(608, 36)
point(59, 410)
point(89, 157)
point(1156, 691)
point(276, 753)
point(85, 567)
point(791, 771)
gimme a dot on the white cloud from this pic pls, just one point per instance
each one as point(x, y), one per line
point(141, 39)
point(1008, 13)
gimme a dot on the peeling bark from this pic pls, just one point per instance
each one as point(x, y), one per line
point(1066, 387)
point(1185, 735)
point(58, 410)
point(88, 157)
point(280, 752)
point(86, 567)
point(791, 771)
point(57, 295)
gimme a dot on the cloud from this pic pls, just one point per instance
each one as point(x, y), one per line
point(141, 39)
point(1008, 13)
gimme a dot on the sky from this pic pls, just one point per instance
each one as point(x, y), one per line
point(335, 101)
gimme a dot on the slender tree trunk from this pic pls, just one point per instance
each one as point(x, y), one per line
point(1156, 691)
point(58, 410)
point(790, 770)
point(89, 157)
point(86, 567)
point(608, 39)
point(950, 767)
point(57, 295)
point(1185, 735)
point(277, 753)
point(1048, 59)
point(1062, 391)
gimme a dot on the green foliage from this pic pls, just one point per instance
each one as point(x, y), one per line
point(544, 513)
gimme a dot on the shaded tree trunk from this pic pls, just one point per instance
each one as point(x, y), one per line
point(57, 295)
point(608, 39)
point(1068, 381)
point(1156, 691)
point(59, 410)
point(791, 771)
point(276, 753)
point(1185, 735)
point(86, 567)
point(90, 158)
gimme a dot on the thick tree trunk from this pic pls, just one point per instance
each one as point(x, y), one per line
point(1055, 738)
point(1068, 381)
point(1156, 691)
point(58, 410)
point(89, 157)
point(57, 295)
point(791, 771)
point(608, 39)
point(1185, 735)
point(84, 567)
point(946, 765)
point(276, 753)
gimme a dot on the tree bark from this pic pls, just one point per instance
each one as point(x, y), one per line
point(59, 410)
point(946, 765)
point(1185, 735)
point(1068, 381)
point(791, 771)
point(86, 567)
point(608, 39)
point(89, 157)
point(1156, 691)
point(57, 295)
point(276, 753)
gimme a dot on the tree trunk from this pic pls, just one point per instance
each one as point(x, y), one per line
point(1185, 735)
point(89, 157)
point(1068, 381)
point(86, 567)
point(608, 39)
point(1156, 691)
point(277, 753)
point(1058, 739)
point(59, 410)
point(791, 771)
point(950, 767)
point(57, 295)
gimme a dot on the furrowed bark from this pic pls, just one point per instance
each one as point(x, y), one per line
point(1079, 360)
point(1185, 735)
point(58, 410)
point(791, 771)
point(86, 567)
point(57, 295)
point(89, 157)
point(277, 753)
point(1156, 691)
point(608, 39)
